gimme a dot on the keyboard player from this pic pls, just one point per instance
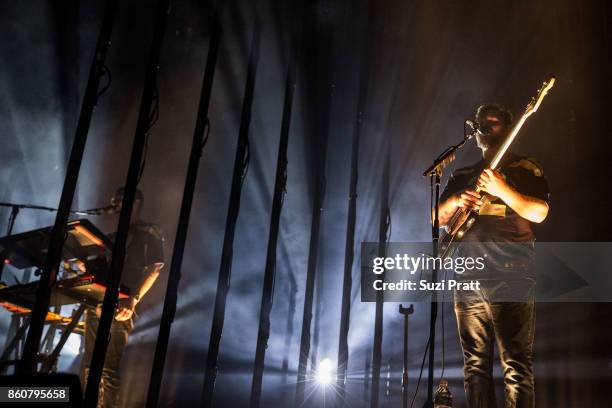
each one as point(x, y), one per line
point(143, 262)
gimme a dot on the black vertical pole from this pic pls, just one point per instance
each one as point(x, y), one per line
point(289, 329)
point(174, 277)
point(316, 330)
point(382, 249)
point(345, 314)
point(385, 221)
point(317, 208)
point(367, 374)
point(28, 363)
point(435, 233)
point(116, 267)
point(240, 162)
point(321, 135)
point(277, 203)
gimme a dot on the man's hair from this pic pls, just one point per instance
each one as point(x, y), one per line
point(120, 192)
point(503, 114)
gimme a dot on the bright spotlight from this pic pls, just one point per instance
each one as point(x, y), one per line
point(324, 372)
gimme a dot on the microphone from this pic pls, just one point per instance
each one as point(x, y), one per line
point(474, 126)
point(483, 130)
point(109, 209)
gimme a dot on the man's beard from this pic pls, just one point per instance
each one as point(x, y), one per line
point(489, 140)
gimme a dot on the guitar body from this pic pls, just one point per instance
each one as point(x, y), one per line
point(459, 224)
point(463, 219)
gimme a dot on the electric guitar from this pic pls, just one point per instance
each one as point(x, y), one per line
point(463, 219)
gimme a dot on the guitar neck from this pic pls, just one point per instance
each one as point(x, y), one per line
point(506, 145)
point(531, 108)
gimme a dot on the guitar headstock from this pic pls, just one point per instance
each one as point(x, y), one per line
point(535, 102)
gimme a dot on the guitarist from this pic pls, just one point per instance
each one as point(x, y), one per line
point(513, 199)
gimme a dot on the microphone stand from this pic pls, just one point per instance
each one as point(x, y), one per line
point(447, 156)
point(435, 172)
point(16, 207)
point(9, 230)
point(405, 311)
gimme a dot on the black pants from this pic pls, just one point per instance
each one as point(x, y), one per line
point(109, 386)
point(482, 320)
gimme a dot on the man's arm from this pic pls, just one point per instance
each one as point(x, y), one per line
point(125, 309)
point(531, 208)
point(150, 279)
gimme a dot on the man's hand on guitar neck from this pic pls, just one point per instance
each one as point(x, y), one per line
point(492, 182)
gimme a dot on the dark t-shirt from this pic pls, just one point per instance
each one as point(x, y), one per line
point(144, 247)
point(505, 237)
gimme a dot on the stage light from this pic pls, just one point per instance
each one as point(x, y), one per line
point(324, 372)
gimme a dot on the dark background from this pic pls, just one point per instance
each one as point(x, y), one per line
point(427, 66)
